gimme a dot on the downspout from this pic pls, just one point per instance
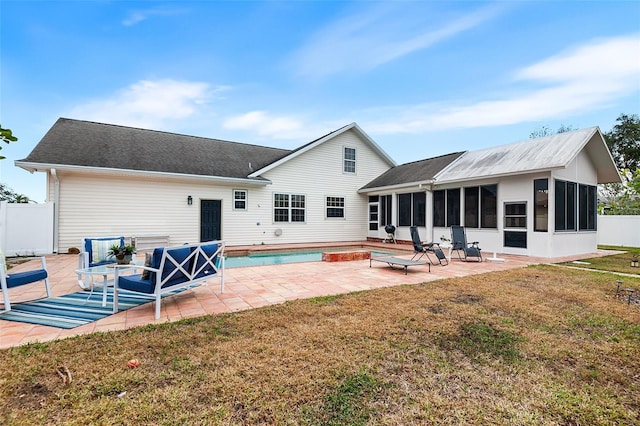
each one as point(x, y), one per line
point(56, 209)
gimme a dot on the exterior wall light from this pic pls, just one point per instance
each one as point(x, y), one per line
point(189, 200)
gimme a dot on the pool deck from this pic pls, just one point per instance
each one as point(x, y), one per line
point(250, 287)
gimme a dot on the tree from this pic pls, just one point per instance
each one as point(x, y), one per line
point(21, 198)
point(621, 198)
point(543, 131)
point(624, 142)
point(6, 136)
point(6, 194)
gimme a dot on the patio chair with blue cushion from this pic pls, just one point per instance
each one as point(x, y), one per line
point(172, 268)
point(16, 279)
point(421, 248)
point(465, 250)
point(96, 252)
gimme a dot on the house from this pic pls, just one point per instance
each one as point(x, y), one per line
point(536, 197)
point(113, 180)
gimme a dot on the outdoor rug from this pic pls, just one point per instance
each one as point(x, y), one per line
point(75, 309)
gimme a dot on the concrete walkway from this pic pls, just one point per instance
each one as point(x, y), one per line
point(248, 287)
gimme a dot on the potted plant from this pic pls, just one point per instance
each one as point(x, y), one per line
point(122, 254)
point(445, 242)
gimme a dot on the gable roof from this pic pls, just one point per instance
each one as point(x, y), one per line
point(411, 174)
point(88, 144)
point(304, 148)
point(541, 154)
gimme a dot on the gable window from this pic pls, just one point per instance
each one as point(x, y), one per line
point(480, 206)
point(541, 206)
point(411, 209)
point(240, 199)
point(289, 208)
point(349, 160)
point(335, 206)
point(565, 198)
point(587, 207)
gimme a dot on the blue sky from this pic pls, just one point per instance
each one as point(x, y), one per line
point(421, 78)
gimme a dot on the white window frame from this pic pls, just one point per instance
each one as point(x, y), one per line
point(349, 161)
point(515, 216)
point(245, 200)
point(291, 205)
point(332, 199)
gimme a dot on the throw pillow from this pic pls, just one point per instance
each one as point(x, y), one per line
point(100, 250)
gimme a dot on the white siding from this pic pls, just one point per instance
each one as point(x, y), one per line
point(318, 174)
point(580, 170)
point(94, 205)
point(101, 205)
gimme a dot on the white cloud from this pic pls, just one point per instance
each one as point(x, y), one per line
point(268, 125)
point(380, 35)
point(137, 16)
point(585, 78)
point(149, 104)
point(601, 60)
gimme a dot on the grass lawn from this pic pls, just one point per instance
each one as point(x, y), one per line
point(618, 263)
point(539, 345)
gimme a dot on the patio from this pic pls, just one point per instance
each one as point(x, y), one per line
point(248, 287)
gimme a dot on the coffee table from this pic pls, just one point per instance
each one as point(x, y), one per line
point(105, 271)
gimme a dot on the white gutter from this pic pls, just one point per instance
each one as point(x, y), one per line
point(499, 175)
point(56, 209)
point(35, 167)
point(427, 184)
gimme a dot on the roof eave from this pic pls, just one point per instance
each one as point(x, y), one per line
point(396, 187)
point(41, 167)
point(497, 175)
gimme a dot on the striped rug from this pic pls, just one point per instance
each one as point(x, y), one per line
point(75, 309)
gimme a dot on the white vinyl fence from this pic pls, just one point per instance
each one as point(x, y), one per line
point(26, 229)
point(619, 230)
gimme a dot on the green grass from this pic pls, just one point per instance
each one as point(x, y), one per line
point(616, 263)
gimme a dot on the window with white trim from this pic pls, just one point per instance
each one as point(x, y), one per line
point(289, 208)
point(335, 207)
point(349, 156)
point(515, 215)
point(240, 199)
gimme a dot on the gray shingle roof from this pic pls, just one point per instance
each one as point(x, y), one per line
point(84, 143)
point(414, 172)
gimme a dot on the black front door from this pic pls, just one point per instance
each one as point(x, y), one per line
point(210, 220)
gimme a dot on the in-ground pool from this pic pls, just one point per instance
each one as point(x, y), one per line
point(278, 258)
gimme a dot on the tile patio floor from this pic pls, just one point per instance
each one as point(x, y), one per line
point(246, 288)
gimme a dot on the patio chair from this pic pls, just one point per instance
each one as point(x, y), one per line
point(465, 250)
point(16, 279)
point(96, 252)
point(420, 249)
